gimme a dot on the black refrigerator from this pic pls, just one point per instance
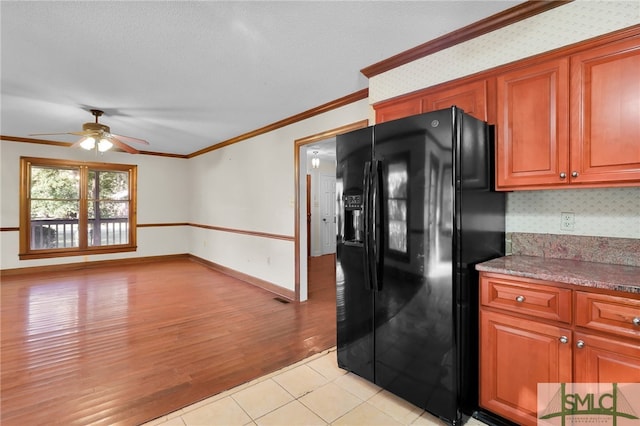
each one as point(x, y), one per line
point(416, 212)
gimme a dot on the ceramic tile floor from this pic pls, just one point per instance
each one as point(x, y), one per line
point(314, 391)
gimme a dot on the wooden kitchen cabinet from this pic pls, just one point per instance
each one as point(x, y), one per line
point(534, 331)
point(533, 126)
point(608, 357)
point(571, 122)
point(601, 359)
point(516, 355)
point(399, 108)
point(605, 114)
point(471, 97)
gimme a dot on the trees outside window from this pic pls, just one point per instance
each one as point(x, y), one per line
point(69, 208)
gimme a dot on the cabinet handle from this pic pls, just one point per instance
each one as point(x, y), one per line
point(636, 321)
point(563, 175)
point(564, 339)
point(520, 299)
point(574, 174)
point(580, 344)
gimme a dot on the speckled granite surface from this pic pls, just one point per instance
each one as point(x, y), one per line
point(587, 274)
point(621, 251)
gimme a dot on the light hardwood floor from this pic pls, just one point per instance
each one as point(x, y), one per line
point(124, 345)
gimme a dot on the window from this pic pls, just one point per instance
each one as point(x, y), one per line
point(69, 208)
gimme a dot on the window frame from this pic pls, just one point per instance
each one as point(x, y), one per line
point(26, 252)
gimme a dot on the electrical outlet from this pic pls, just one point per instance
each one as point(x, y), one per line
point(567, 221)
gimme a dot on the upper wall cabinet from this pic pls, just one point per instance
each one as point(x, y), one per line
point(572, 122)
point(533, 125)
point(471, 97)
point(605, 114)
point(398, 108)
point(569, 118)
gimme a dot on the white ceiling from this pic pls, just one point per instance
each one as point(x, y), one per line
point(186, 75)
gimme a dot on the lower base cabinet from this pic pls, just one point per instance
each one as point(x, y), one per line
point(528, 335)
point(516, 355)
point(604, 360)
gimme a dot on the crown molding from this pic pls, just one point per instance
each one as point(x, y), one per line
point(492, 23)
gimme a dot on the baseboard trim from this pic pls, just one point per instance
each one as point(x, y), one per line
point(265, 285)
point(90, 265)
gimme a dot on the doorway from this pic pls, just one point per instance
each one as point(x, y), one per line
point(321, 214)
point(315, 259)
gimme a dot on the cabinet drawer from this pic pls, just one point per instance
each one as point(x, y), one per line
point(611, 314)
point(536, 300)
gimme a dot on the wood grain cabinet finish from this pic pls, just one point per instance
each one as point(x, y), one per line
point(605, 114)
point(554, 333)
point(471, 97)
point(528, 297)
point(602, 359)
point(399, 108)
point(573, 122)
point(516, 355)
point(533, 126)
point(609, 314)
point(565, 119)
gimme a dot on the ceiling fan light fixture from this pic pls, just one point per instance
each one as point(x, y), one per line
point(104, 145)
point(315, 161)
point(88, 143)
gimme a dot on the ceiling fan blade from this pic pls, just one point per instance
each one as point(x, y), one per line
point(123, 146)
point(50, 134)
point(76, 144)
point(82, 133)
point(132, 139)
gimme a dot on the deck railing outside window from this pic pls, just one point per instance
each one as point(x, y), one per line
point(63, 233)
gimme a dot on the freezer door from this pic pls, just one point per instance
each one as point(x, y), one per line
point(354, 299)
point(414, 309)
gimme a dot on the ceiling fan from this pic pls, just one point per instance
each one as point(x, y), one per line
point(99, 137)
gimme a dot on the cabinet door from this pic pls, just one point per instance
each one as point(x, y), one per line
point(600, 359)
point(472, 98)
point(605, 117)
point(398, 108)
point(515, 355)
point(533, 126)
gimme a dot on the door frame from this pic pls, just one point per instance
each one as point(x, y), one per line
point(300, 172)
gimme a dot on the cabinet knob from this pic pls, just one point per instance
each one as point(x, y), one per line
point(574, 174)
point(564, 339)
point(520, 299)
point(636, 321)
point(580, 344)
point(563, 175)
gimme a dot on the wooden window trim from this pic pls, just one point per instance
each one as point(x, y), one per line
point(27, 253)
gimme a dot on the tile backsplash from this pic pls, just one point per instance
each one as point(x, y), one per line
point(604, 212)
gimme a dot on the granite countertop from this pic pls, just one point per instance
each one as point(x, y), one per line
point(588, 274)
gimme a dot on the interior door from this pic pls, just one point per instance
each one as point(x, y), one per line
point(328, 214)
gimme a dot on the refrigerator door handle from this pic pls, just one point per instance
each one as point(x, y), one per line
point(366, 210)
point(376, 216)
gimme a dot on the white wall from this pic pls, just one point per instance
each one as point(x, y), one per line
point(163, 197)
point(598, 212)
point(250, 186)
